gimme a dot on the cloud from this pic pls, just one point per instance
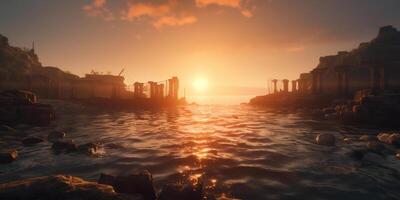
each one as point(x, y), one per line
point(236, 4)
point(229, 3)
point(174, 21)
point(160, 13)
point(97, 8)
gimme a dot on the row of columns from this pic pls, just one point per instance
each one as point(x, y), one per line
point(297, 85)
point(156, 90)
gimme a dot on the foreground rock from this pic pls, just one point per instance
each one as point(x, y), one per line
point(325, 139)
point(8, 157)
point(393, 139)
point(141, 183)
point(59, 187)
point(182, 192)
point(91, 148)
point(20, 106)
point(56, 135)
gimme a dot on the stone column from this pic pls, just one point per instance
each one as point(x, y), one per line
point(294, 86)
point(275, 85)
point(285, 85)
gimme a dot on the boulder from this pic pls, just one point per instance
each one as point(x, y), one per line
point(66, 146)
point(32, 141)
point(348, 140)
point(60, 187)
point(368, 138)
point(325, 139)
point(393, 139)
point(398, 155)
point(8, 157)
point(90, 148)
point(180, 191)
point(141, 183)
point(56, 135)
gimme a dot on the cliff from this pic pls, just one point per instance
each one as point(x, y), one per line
point(385, 48)
point(18, 63)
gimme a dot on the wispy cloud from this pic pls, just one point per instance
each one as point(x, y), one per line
point(97, 8)
point(236, 4)
point(161, 13)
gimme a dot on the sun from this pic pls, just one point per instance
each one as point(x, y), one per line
point(200, 84)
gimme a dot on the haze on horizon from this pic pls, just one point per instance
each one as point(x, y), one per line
point(236, 45)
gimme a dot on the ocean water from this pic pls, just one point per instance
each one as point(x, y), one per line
point(237, 151)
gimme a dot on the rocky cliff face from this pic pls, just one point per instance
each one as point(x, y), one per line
point(385, 48)
point(16, 62)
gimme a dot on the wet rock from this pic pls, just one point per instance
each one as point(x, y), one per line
point(376, 147)
point(393, 139)
point(368, 138)
point(141, 183)
point(91, 148)
point(8, 157)
point(182, 192)
point(398, 156)
point(60, 187)
point(32, 141)
point(348, 140)
point(325, 139)
point(56, 135)
point(66, 146)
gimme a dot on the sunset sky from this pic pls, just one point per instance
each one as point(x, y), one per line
point(227, 43)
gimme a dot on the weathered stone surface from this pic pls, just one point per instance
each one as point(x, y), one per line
point(182, 192)
point(56, 135)
point(367, 138)
point(32, 141)
point(141, 183)
point(66, 146)
point(91, 148)
point(389, 138)
point(8, 157)
point(325, 139)
point(60, 187)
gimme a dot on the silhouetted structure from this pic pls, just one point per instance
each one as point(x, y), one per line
point(285, 85)
point(294, 85)
point(275, 82)
point(173, 85)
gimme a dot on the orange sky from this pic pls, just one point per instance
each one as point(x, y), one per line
point(231, 43)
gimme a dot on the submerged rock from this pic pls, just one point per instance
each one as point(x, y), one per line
point(141, 183)
point(60, 187)
point(56, 135)
point(182, 192)
point(393, 139)
point(8, 157)
point(368, 138)
point(32, 141)
point(325, 139)
point(66, 146)
point(91, 148)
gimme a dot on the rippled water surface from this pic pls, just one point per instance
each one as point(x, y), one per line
point(238, 151)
